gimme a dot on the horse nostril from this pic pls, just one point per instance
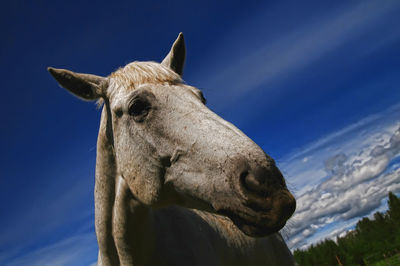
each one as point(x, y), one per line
point(261, 181)
point(253, 183)
point(256, 181)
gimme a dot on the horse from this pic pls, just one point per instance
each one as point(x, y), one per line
point(175, 183)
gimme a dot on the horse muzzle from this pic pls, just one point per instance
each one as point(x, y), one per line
point(265, 202)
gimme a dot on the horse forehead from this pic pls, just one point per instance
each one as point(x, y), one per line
point(119, 93)
point(137, 73)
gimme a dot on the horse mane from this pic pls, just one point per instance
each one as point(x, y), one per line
point(137, 73)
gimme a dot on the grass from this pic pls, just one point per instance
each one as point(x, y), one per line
point(392, 261)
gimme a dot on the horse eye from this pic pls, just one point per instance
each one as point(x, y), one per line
point(139, 109)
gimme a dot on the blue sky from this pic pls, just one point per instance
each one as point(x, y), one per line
point(315, 84)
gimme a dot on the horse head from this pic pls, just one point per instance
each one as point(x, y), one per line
point(171, 149)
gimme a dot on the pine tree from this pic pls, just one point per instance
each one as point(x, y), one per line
point(394, 207)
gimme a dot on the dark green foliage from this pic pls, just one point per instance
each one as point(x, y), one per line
point(370, 242)
point(394, 208)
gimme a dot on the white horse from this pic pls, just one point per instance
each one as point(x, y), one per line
point(175, 183)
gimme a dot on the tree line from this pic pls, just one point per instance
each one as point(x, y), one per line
point(371, 241)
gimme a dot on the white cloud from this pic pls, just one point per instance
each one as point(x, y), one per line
point(353, 176)
point(328, 153)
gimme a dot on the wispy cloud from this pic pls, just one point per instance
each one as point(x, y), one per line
point(351, 173)
point(74, 250)
point(52, 212)
point(274, 61)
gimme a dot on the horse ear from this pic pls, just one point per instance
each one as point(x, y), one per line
point(85, 86)
point(176, 57)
